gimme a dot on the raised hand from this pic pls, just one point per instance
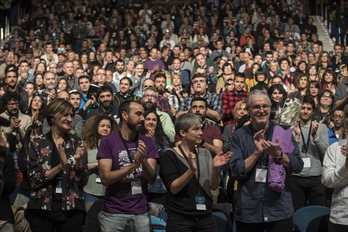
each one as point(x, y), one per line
point(80, 151)
point(314, 130)
point(258, 139)
point(191, 161)
point(272, 149)
point(221, 159)
point(61, 154)
point(139, 155)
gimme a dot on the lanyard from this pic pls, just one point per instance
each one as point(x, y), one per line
point(183, 153)
point(306, 145)
point(126, 146)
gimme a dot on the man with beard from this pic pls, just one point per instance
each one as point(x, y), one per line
point(164, 104)
point(19, 124)
point(49, 93)
point(200, 86)
point(120, 73)
point(230, 99)
point(11, 79)
point(149, 101)
point(107, 106)
point(211, 137)
point(127, 161)
point(185, 65)
point(125, 93)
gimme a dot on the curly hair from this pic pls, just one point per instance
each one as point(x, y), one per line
point(160, 136)
point(90, 131)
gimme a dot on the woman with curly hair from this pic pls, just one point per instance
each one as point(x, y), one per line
point(96, 128)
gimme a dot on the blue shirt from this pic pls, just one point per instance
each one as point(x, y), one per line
point(332, 136)
point(255, 202)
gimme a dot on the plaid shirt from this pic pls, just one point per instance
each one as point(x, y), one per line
point(163, 105)
point(229, 101)
point(213, 100)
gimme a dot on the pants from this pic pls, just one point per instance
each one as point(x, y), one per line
point(40, 222)
point(283, 226)
point(116, 222)
point(337, 228)
point(305, 189)
point(181, 223)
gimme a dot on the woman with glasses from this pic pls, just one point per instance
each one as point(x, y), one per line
point(326, 102)
point(336, 132)
point(335, 176)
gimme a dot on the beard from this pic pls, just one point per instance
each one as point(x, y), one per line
point(136, 127)
point(160, 91)
point(106, 104)
point(149, 105)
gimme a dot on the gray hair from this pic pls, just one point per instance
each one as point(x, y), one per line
point(186, 121)
point(257, 93)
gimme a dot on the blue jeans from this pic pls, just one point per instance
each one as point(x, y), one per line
point(91, 198)
point(113, 222)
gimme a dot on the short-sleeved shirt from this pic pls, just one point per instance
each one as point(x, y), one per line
point(118, 196)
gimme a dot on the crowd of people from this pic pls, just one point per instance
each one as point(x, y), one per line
point(120, 108)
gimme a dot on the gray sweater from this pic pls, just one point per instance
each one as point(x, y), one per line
point(316, 150)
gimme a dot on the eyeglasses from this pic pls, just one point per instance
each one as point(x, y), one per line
point(101, 74)
point(337, 116)
point(13, 104)
point(227, 84)
point(149, 96)
point(258, 108)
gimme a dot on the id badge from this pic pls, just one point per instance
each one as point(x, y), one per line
point(59, 186)
point(260, 175)
point(345, 192)
point(200, 203)
point(97, 179)
point(136, 187)
point(306, 162)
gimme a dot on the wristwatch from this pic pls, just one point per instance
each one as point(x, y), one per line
point(279, 158)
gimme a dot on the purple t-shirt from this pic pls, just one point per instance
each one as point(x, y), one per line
point(150, 65)
point(118, 196)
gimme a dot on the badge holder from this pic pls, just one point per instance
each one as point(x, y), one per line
point(59, 185)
